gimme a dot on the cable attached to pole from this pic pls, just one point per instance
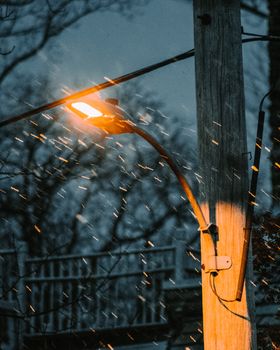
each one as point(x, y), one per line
point(251, 202)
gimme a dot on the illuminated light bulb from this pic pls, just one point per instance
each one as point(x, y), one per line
point(86, 109)
point(105, 115)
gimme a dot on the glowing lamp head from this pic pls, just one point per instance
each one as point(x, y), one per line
point(105, 115)
point(86, 109)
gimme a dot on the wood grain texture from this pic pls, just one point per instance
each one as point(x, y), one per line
point(223, 159)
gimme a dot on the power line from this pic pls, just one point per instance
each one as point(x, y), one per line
point(119, 80)
point(261, 38)
point(99, 87)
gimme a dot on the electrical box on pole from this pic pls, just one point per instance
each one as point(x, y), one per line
point(227, 323)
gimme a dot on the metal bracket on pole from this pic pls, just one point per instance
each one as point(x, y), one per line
point(216, 263)
point(210, 228)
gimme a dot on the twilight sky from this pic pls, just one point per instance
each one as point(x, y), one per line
point(106, 44)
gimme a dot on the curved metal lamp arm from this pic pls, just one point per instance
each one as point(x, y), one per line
point(203, 226)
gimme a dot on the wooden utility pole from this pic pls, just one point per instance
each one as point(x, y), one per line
point(227, 324)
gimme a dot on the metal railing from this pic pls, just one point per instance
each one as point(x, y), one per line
point(10, 298)
point(100, 291)
point(91, 293)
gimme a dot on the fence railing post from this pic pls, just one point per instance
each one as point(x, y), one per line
point(180, 257)
point(22, 250)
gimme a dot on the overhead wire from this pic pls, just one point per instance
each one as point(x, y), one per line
point(121, 79)
point(99, 87)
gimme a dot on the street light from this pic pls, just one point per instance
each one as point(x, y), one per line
point(109, 117)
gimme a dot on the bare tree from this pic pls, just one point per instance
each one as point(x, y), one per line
point(63, 191)
point(61, 185)
point(26, 27)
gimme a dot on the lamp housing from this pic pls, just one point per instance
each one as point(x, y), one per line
point(103, 114)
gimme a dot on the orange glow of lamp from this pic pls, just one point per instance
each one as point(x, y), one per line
point(109, 117)
point(105, 115)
